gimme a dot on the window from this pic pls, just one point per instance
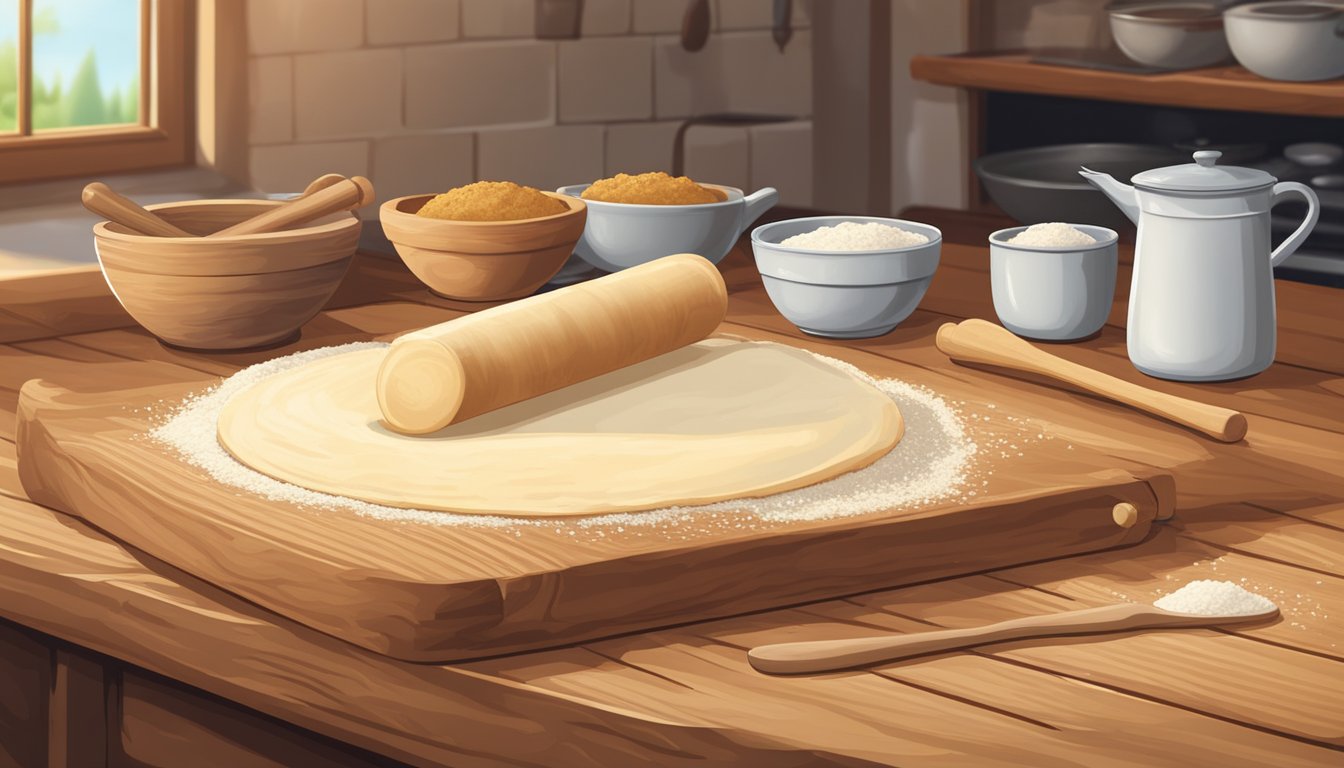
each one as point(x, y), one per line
point(92, 86)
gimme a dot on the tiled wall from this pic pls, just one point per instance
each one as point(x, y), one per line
point(424, 95)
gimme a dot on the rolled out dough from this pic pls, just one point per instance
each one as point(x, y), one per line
point(716, 420)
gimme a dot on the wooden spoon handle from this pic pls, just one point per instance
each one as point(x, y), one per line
point(343, 195)
point(100, 199)
point(829, 655)
point(980, 341)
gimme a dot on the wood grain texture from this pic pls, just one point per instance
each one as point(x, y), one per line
point(78, 719)
point(1211, 88)
point(676, 696)
point(980, 341)
point(483, 260)
point(163, 725)
point(229, 292)
point(390, 587)
point(25, 689)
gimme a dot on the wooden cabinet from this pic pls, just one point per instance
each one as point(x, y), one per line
point(61, 706)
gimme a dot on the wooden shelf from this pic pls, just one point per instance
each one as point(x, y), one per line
point(1231, 88)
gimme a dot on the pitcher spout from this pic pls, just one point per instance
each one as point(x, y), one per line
point(1123, 195)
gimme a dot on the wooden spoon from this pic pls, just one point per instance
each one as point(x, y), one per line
point(830, 655)
point(980, 341)
point(100, 199)
point(343, 195)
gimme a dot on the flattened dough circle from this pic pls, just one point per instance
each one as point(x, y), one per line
point(716, 420)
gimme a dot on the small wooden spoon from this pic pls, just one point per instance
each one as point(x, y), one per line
point(980, 341)
point(831, 655)
point(342, 195)
point(100, 199)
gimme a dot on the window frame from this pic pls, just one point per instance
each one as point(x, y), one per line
point(162, 138)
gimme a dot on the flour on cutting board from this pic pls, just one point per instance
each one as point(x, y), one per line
point(930, 464)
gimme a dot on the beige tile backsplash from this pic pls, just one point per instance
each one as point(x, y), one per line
point(424, 95)
point(397, 22)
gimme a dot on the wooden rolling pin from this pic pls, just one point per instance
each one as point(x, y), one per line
point(343, 195)
point(830, 655)
point(456, 370)
point(980, 341)
point(100, 199)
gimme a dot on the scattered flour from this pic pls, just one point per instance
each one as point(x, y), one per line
point(855, 236)
point(1207, 597)
point(929, 464)
point(1052, 235)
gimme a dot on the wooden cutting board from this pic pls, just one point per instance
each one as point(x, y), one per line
point(438, 593)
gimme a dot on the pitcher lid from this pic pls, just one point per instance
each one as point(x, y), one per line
point(1203, 175)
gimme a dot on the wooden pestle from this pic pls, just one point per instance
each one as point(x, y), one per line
point(100, 199)
point(496, 357)
point(343, 195)
point(980, 341)
point(321, 183)
point(830, 655)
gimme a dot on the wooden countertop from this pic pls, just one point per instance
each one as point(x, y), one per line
point(1269, 510)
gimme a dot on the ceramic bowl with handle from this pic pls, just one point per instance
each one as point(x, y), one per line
point(230, 292)
point(622, 235)
point(1288, 39)
point(1054, 293)
point(1182, 35)
point(844, 294)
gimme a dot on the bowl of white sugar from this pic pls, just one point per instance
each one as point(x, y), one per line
point(1053, 281)
point(846, 277)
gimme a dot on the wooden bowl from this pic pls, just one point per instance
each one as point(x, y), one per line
point(228, 293)
point(483, 260)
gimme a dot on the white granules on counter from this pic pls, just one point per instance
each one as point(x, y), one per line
point(929, 464)
point(1207, 597)
point(855, 236)
point(1054, 234)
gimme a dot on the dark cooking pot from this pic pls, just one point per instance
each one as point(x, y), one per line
point(1042, 183)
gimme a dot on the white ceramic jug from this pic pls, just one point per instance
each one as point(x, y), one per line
point(1201, 304)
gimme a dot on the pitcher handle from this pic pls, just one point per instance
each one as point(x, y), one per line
point(1285, 189)
point(757, 203)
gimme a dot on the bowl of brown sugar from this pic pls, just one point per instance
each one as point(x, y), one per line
point(487, 241)
point(633, 219)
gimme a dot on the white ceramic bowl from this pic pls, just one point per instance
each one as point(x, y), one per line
point(622, 235)
point(844, 294)
point(1054, 294)
point(1290, 40)
point(1170, 35)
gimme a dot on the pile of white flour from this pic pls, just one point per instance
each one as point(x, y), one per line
point(929, 465)
point(1206, 597)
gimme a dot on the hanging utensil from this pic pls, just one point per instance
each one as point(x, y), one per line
point(695, 25)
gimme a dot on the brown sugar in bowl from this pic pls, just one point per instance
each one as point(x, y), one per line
point(226, 293)
point(483, 260)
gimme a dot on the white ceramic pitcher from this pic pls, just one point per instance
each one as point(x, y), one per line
point(1201, 304)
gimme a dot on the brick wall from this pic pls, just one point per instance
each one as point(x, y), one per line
point(424, 95)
